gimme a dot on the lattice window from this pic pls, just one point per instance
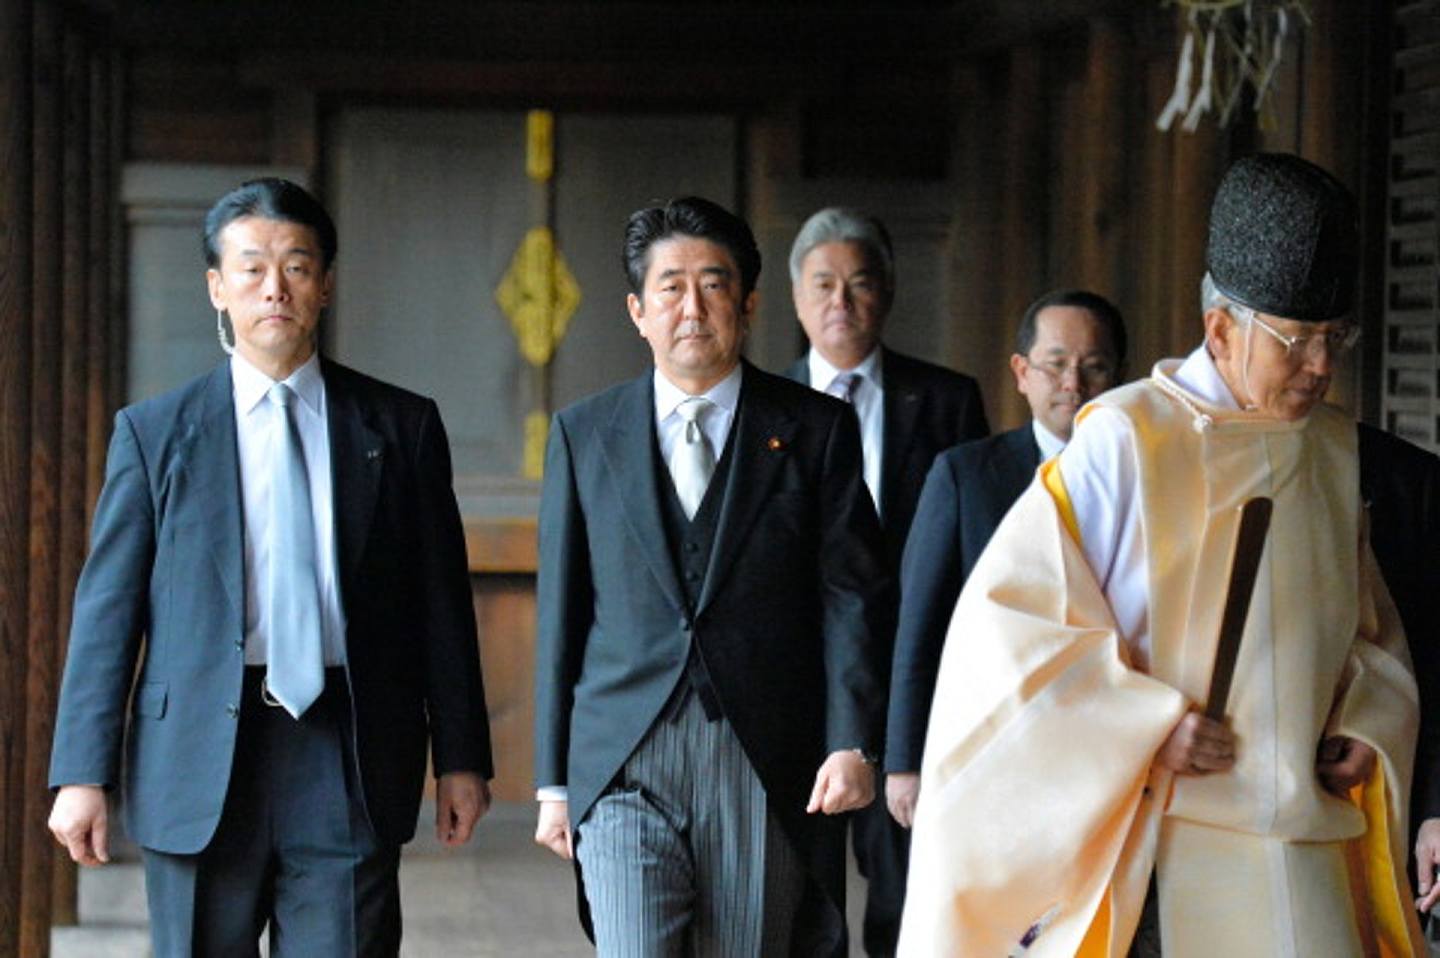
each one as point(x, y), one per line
point(1411, 392)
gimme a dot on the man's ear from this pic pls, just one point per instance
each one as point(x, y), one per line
point(327, 290)
point(216, 286)
point(747, 312)
point(636, 308)
point(1018, 365)
point(1219, 325)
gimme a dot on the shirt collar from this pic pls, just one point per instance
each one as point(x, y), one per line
point(251, 385)
point(1049, 443)
point(822, 373)
point(1200, 376)
point(725, 393)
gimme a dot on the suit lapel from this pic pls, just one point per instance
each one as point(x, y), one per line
point(1020, 459)
point(764, 433)
point(357, 460)
point(903, 406)
point(628, 444)
point(210, 459)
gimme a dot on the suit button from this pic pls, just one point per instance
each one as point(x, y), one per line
point(232, 710)
point(239, 645)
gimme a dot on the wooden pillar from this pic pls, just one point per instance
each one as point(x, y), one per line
point(1103, 183)
point(118, 329)
point(1024, 200)
point(1195, 174)
point(75, 214)
point(43, 668)
point(16, 205)
point(97, 292)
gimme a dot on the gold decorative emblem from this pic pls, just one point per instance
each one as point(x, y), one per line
point(538, 294)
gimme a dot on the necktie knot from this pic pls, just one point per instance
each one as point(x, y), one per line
point(281, 395)
point(693, 411)
point(843, 386)
point(693, 461)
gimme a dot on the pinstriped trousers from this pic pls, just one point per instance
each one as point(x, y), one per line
point(681, 856)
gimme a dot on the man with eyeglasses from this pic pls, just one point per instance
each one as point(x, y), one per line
point(1069, 348)
point(1068, 759)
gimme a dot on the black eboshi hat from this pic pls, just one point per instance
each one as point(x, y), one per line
point(1283, 238)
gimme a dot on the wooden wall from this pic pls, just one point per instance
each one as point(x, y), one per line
point(63, 336)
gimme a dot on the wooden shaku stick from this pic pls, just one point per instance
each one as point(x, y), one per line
point(1244, 566)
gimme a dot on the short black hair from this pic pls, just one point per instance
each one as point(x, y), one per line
point(1104, 311)
point(270, 198)
point(695, 217)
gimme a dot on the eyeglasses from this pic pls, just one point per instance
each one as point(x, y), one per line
point(1092, 372)
point(1335, 341)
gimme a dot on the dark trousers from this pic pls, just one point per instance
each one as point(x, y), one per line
point(294, 849)
point(882, 852)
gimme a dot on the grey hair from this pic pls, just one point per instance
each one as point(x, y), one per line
point(1211, 297)
point(838, 224)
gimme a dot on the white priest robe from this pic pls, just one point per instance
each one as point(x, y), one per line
point(1086, 631)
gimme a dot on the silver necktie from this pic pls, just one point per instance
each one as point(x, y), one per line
point(296, 667)
point(693, 461)
point(843, 386)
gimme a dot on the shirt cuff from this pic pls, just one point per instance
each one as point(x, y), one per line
point(552, 793)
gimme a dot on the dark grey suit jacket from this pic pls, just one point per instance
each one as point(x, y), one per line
point(928, 408)
point(792, 617)
point(1400, 483)
point(967, 493)
point(164, 588)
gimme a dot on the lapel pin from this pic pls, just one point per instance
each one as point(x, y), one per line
point(774, 444)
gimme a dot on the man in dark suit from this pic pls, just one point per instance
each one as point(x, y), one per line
point(713, 609)
point(1400, 484)
point(278, 549)
point(842, 273)
point(1069, 348)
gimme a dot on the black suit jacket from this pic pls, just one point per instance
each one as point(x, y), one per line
point(927, 408)
point(968, 491)
point(791, 620)
point(1400, 483)
point(164, 588)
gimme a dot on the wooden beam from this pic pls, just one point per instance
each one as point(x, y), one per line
point(16, 205)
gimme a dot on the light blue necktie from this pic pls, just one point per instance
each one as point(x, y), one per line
point(296, 667)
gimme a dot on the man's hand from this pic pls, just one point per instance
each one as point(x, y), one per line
point(461, 800)
point(80, 820)
point(553, 829)
point(1343, 763)
point(845, 782)
point(1427, 856)
point(901, 791)
point(1198, 746)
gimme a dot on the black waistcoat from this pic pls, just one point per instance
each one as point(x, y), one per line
point(690, 542)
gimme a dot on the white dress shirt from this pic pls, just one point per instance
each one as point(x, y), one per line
point(1049, 443)
point(1098, 468)
point(867, 395)
point(669, 426)
point(257, 440)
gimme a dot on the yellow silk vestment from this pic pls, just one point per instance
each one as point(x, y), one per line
point(1041, 816)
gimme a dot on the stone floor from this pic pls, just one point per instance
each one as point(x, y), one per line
point(500, 895)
